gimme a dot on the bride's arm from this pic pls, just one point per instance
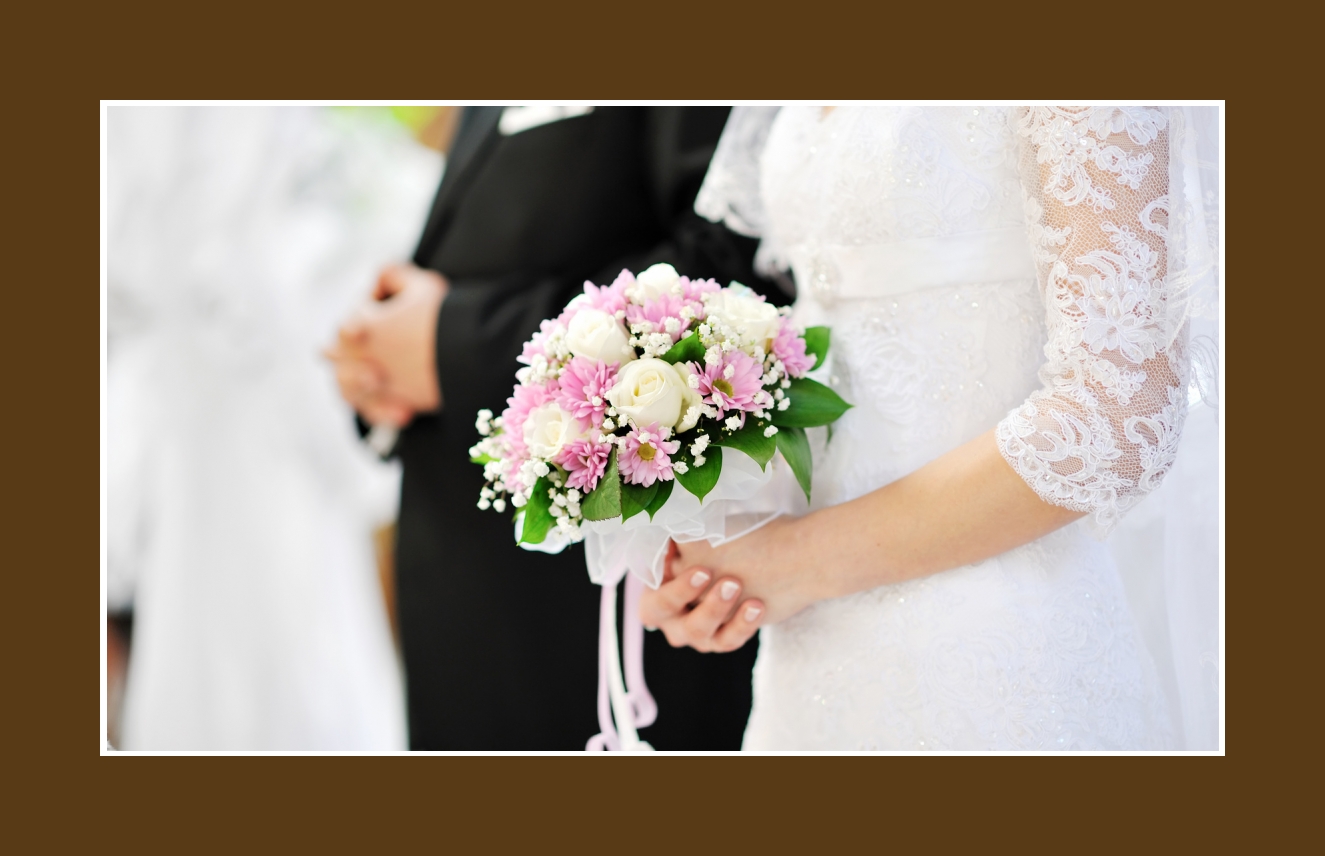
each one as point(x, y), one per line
point(1095, 440)
point(961, 508)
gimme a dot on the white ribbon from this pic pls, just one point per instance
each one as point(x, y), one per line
point(744, 499)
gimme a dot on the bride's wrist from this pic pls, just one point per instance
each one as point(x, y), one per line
point(796, 543)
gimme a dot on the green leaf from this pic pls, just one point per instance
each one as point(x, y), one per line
point(687, 350)
point(795, 448)
point(604, 501)
point(481, 459)
point(538, 519)
point(660, 498)
point(701, 480)
point(817, 340)
point(751, 440)
point(636, 498)
point(812, 405)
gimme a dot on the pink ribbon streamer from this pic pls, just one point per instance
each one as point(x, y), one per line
point(643, 708)
point(642, 704)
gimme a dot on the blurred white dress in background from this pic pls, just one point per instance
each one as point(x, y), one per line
point(240, 503)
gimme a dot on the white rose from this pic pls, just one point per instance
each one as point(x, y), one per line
point(747, 314)
point(650, 390)
point(548, 429)
point(596, 335)
point(657, 280)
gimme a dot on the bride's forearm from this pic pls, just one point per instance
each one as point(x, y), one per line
point(959, 509)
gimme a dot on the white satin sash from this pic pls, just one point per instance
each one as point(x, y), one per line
point(846, 272)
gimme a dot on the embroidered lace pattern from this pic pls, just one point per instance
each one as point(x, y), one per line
point(1104, 429)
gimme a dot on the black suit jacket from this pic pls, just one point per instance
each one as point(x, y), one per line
point(500, 644)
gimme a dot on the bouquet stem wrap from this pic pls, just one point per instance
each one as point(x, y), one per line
point(744, 499)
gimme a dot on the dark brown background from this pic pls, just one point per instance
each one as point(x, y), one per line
point(61, 63)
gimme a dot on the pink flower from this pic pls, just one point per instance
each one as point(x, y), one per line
point(657, 311)
point(735, 383)
point(610, 298)
point(693, 290)
point(645, 456)
point(534, 347)
point(583, 388)
point(519, 405)
point(789, 347)
point(538, 344)
point(584, 462)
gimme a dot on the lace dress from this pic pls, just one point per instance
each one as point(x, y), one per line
point(979, 267)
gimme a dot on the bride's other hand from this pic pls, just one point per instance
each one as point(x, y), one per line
point(693, 609)
point(765, 562)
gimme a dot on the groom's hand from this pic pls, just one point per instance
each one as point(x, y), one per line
point(362, 385)
point(386, 354)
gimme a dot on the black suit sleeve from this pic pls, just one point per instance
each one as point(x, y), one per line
point(482, 327)
point(484, 321)
point(678, 144)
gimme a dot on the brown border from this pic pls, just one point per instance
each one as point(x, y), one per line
point(254, 50)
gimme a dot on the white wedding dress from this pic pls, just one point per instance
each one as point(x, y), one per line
point(978, 267)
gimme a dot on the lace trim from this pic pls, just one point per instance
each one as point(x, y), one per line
point(1104, 430)
point(730, 193)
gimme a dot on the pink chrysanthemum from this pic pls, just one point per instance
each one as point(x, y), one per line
point(657, 311)
point(585, 461)
point(519, 405)
point(734, 383)
point(537, 344)
point(583, 387)
point(693, 291)
point(789, 347)
point(645, 457)
point(610, 298)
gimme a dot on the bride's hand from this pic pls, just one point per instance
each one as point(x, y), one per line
point(699, 603)
point(692, 608)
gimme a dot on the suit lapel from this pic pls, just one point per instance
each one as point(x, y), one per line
point(474, 141)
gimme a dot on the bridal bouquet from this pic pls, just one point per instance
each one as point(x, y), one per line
point(640, 385)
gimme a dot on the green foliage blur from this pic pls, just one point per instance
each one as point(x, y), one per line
point(415, 118)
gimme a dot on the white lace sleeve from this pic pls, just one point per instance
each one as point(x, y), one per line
point(730, 192)
point(1104, 429)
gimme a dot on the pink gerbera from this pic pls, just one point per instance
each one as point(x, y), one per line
point(645, 457)
point(657, 311)
point(789, 347)
point(734, 383)
point(585, 462)
point(583, 388)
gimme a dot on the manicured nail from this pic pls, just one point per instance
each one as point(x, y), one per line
point(699, 579)
point(729, 589)
point(752, 612)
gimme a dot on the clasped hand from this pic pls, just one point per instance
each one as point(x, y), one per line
point(713, 599)
point(384, 354)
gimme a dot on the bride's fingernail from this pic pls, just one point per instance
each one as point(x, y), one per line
point(752, 612)
point(729, 590)
point(699, 579)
